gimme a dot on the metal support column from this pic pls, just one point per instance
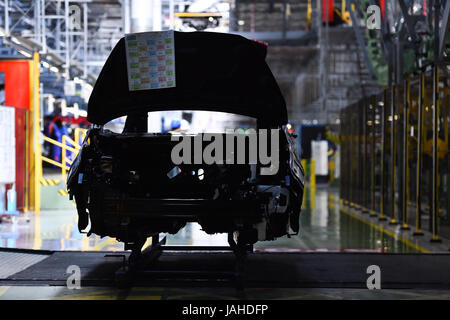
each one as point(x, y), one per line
point(352, 156)
point(418, 231)
point(58, 28)
point(393, 151)
point(85, 40)
point(348, 157)
point(364, 175)
point(358, 185)
point(435, 171)
point(171, 13)
point(435, 196)
point(405, 186)
point(36, 134)
point(67, 35)
point(372, 163)
point(6, 8)
point(43, 26)
point(383, 155)
point(37, 23)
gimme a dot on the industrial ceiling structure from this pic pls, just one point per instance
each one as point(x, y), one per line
point(342, 62)
point(77, 36)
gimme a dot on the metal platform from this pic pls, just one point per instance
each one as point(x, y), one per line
point(192, 268)
point(12, 262)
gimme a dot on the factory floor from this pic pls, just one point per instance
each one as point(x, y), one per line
point(325, 225)
point(155, 293)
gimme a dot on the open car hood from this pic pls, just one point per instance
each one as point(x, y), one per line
point(214, 72)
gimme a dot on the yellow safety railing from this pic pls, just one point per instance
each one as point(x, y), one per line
point(34, 153)
point(67, 144)
point(64, 160)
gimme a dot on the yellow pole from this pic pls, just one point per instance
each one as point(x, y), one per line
point(63, 158)
point(331, 168)
point(27, 164)
point(30, 161)
point(308, 14)
point(313, 174)
point(36, 136)
point(303, 162)
point(312, 198)
point(77, 135)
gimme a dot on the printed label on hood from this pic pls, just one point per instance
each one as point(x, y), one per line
point(150, 60)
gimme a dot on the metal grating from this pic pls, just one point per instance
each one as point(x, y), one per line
point(13, 262)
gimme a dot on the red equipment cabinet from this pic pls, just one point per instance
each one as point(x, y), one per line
point(18, 95)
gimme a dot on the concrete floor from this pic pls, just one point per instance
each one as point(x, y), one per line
point(140, 293)
point(324, 227)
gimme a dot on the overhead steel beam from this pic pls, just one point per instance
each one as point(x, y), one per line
point(45, 19)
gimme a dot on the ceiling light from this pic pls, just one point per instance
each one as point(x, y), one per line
point(26, 54)
point(15, 40)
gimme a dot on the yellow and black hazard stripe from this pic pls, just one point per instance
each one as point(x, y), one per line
point(50, 182)
point(63, 192)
